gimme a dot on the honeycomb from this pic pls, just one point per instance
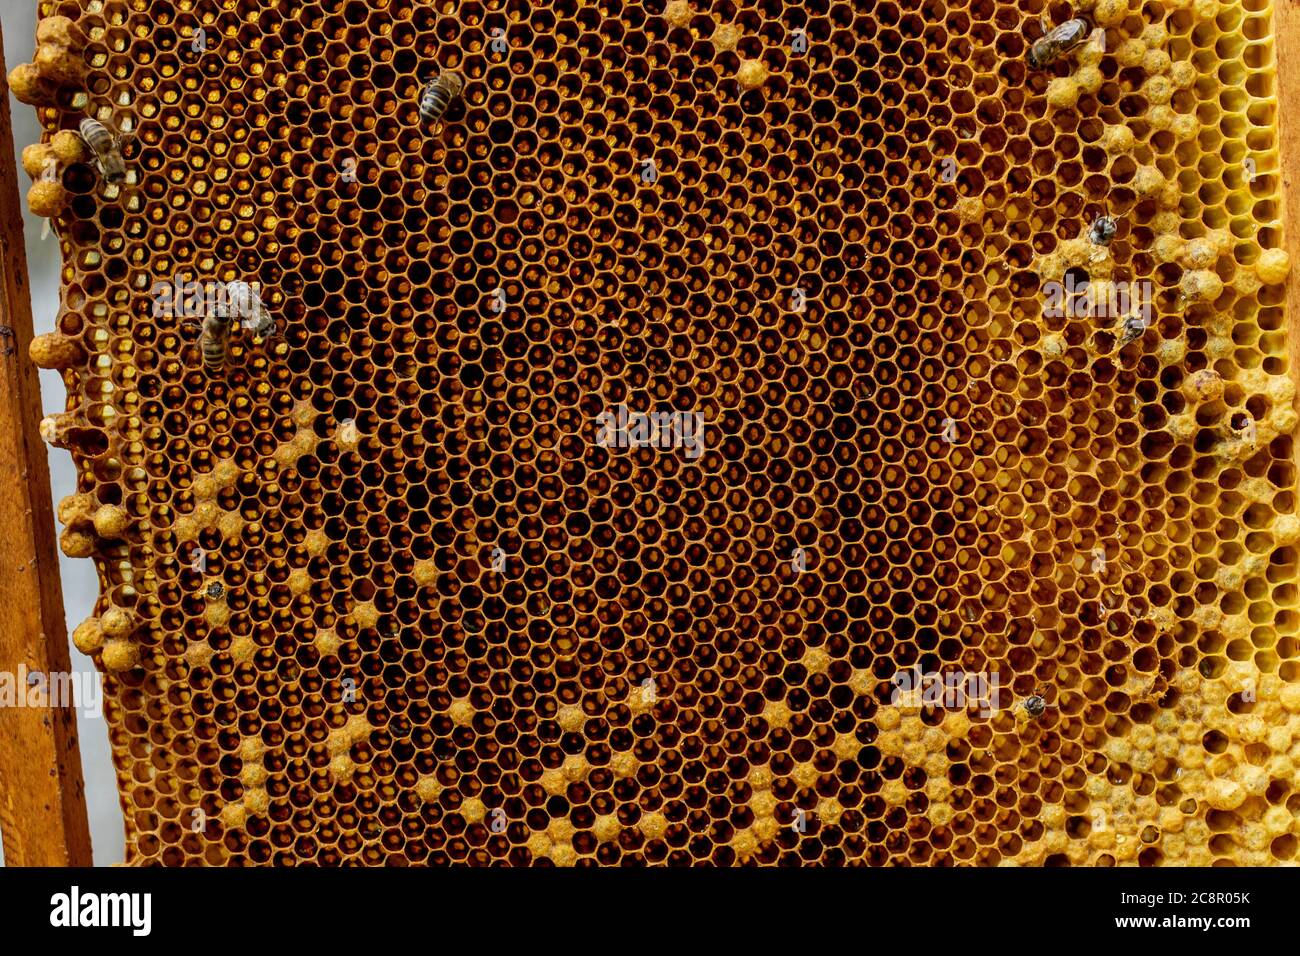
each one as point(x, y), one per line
point(375, 590)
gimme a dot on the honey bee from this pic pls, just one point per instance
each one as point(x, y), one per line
point(1102, 231)
point(1133, 329)
point(107, 147)
point(214, 340)
point(1058, 42)
point(1035, 704)
point(437, 96)
point(245, 304)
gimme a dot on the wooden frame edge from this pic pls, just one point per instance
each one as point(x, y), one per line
point(43, 818)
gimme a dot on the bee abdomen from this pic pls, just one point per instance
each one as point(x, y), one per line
point(437, 96)
point(95, 134)
point(214, 341)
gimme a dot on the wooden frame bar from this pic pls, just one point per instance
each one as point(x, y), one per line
point(1286, 58)
point(42, 793)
